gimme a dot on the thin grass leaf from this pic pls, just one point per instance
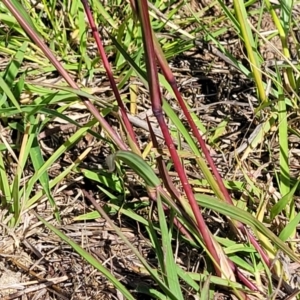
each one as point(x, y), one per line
point(247, 36)
point(204, 294)
point(13, 68)
point(68, 144)
point(289, 230)
point(154, 274)
point(124, 211)
point(256, 137)
point(283, 202)
point(284, 185)
point(57, 179)
point(6, 195)
point(37, 162)
point(213, 279)
point(156, 244)
point(219, 131)
point(188, 138)
point(284, 19)
point(154, 294)
point(105, 15)
point(101, 102)
point(7, 91)
point(246, 218)
point(11, 22)
point(107, 179)
point(90, 259)
point(170, 265)
point(18, 196)
point(188, 279)
point(18, 6)
point(140, 167)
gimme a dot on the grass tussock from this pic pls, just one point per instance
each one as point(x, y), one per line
point(149, 150)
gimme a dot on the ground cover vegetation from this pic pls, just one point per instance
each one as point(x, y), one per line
point(149, 150)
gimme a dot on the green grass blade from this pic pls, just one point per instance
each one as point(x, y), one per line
point(18, 195)
point(138, 165)
point(6, 196)
point(13, 68)
point(204, 294)
point(247, 36)
point(188, 138)
point(170, 265)
point(154, 294)
point(110, 180)
point(18, 6)
point(246, 218)
point(90, 259)
point(69, 143)
point(284, 184)
point(82, 93)
point(7, 91)
point(283, 202)
point(156, 244)
point(105, 15)
point(257, 136)
point(282, 24)
point(57, 179)
point(123, 210)
point(38, 161)
point(290, 229)
point(153, 273)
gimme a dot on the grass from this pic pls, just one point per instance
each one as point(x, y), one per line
point(213, 214)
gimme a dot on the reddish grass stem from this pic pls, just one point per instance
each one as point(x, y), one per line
point(156, 101)
point(109, 72)
point(172, 81)
point(36, 39)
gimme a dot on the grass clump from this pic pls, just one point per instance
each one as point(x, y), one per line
point(155, 155)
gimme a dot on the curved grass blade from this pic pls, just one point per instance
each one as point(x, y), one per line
point(135, 162)
point(246, 218)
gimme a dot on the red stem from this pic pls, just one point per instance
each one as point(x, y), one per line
point(172, 81)
point(108, 71)
point(157, 111)
point(36, 39)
